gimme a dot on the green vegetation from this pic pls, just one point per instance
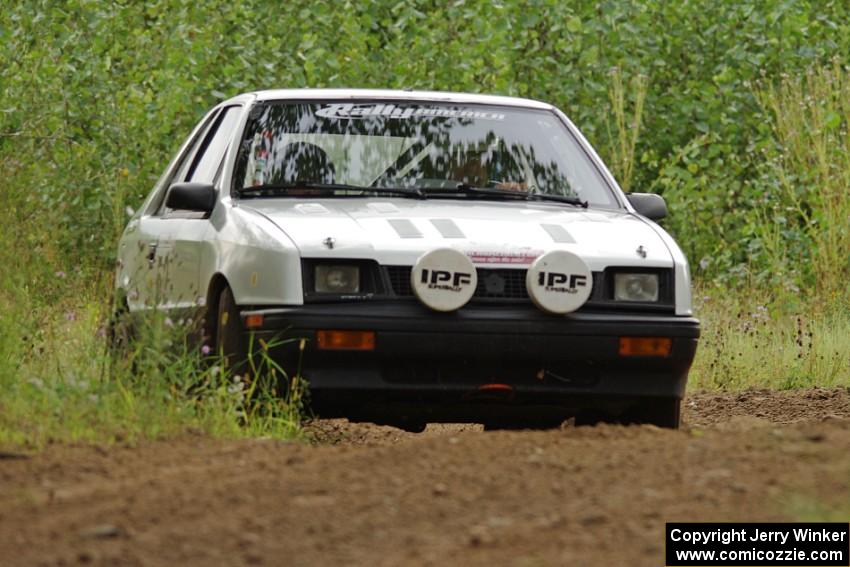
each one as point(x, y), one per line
point(61, 381)
point(737, 112)
point(747, 344)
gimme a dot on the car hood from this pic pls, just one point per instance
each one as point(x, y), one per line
point(397, 231)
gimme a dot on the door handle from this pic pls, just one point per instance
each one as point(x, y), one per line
point(151, 253)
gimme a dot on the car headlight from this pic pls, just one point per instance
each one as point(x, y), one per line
point(329, 278)
point(636, 287)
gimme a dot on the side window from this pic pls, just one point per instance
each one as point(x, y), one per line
point(178, 173)
point(206, 162)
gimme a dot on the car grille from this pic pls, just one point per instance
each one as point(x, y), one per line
point(400, 280)
point(493, 283)
point(501, 284)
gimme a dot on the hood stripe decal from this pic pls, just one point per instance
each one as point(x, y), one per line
point(383, 208)
point(405, 228)
point(558, 233)
point(448, 228)
point(311, 208)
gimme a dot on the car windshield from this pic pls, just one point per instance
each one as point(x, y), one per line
point(437, 150)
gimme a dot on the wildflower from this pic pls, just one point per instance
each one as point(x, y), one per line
point(60, 274)
point(205, 350)
point(237, 387)
point(168, 322)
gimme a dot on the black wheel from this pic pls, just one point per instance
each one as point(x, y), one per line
point(412, 426)
point(661, 412)
point(591, 418)
point(519, 424)
point(230, 339)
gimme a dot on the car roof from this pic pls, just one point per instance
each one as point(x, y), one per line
point(406, 95)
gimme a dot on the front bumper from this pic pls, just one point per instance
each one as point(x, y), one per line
point(444, 365)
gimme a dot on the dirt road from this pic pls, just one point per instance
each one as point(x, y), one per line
point(366, 495)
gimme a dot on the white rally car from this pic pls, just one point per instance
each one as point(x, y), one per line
point(447, 257)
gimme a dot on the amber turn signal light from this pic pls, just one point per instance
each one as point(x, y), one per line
point(645, 346)
point(253, 321)
point(345, 340)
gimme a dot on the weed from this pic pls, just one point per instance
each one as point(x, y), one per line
point(748, 343)
point(627, 124)
point(66, 384)
point(811, 118)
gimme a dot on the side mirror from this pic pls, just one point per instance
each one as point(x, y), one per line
point(650, 205)
point(198, 197)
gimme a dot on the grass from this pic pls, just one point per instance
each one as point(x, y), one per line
point(63, 384)
point(758, 345)
point(628, 119)
point(811, 125)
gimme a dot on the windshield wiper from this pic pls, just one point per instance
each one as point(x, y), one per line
point(283, 188)
point(558, 199)
point(413, 192)
point(467, 189)
point(525, 195)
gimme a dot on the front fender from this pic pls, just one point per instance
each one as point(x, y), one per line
point(261, 264)
point(681, 270)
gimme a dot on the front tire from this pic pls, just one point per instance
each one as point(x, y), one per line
point(660, 412)
point(522, 424)
point(230, 337)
